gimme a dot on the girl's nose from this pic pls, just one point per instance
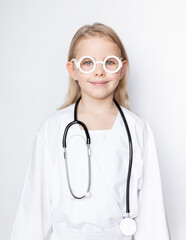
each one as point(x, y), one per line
point(99, 70)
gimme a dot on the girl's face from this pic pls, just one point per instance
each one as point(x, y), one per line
point(99, 83)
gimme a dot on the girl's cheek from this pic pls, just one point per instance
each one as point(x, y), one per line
point(84, 77)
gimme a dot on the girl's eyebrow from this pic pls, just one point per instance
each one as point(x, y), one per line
point(99, 58)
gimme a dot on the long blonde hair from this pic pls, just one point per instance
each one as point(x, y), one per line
point(100, 30)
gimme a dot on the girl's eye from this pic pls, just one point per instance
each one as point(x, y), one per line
point(110, 62)
point(87, 63)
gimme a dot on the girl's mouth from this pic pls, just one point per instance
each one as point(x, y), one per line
point(101, 83)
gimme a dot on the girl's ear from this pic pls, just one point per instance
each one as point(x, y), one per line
point(71, 70)
point(124, 68)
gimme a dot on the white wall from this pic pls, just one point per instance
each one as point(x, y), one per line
point(34, 41)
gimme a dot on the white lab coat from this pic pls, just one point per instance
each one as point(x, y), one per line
point(46, 209)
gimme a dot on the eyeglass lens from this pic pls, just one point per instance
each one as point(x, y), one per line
point(87, 64)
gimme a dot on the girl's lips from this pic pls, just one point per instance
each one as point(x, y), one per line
point(99, 83)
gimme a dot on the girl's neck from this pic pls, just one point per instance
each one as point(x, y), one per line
point(97, 105)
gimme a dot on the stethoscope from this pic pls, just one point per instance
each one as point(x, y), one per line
point(127, 224)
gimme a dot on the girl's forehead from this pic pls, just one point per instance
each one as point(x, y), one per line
point(97, 47)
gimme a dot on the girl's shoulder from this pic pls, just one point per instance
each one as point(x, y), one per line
point(139, 126)
point(58, 118)
point(133, 118)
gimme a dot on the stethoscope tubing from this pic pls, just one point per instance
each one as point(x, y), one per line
point(130, 157)
point(89, 155)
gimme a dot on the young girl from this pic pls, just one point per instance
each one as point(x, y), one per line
point(93, 172)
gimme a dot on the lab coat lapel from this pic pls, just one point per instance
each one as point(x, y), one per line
point(113, 162)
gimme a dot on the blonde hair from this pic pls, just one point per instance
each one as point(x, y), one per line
point(97, 30)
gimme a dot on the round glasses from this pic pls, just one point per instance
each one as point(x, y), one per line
point(87, 64)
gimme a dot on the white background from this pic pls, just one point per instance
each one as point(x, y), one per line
point(34, 42)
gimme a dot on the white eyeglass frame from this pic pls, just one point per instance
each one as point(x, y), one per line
point(77, 63)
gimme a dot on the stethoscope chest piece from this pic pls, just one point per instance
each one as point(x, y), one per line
point(128, 226)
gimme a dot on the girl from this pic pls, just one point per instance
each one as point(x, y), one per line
point(93, 172)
